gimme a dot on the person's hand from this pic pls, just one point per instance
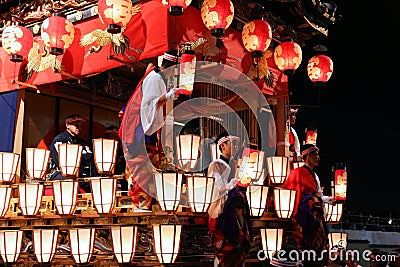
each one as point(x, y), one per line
point(172, 94)
point(232, 183)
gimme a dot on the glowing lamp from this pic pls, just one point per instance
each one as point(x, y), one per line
point(10, 245)
point(37, 160)
point(168, 188)
point(278, 168)
point(17, 41)
point(333, 212)
point(30, 198)
point(58, 33)
point(284, 200)
point(340, 183)
point(200, 191)
point(257, 197)
point(187, 149)
point(115, 13)
point(320, 69)
point(251, 166)
point(337, 239)
point(256, 37)
point(167, 240)
point(105, 155)
point(176, 7)
point(45, 244)
point(5, 197)
point(104, 193)
point(217, 15)
point(287, 57)
point(8, 166)
point(311, 137)
point(124, 242)
point(65, 194)
point(69, 159)
point(271, 240)
point(187, 70)
point(82, 244)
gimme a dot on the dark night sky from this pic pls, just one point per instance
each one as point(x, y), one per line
point(356, 119)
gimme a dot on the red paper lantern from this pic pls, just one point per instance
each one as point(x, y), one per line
point(58, 33)
point(320, 69)
point(187, 72)
point(115, 13)
point(287, 57)
point(17, 41)
point(176, 7)
point(256, 37)
point(217, 15)
point(340, 182)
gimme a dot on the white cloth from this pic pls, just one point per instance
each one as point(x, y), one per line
point(220, 170)
point(152, 118)
point(296, 142)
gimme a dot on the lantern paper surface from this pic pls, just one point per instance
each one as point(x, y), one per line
point(217, 13)
point(5, 197)
point(288, 56)
point(187, 147)
point(37, 160)
point(65, 194)
point(168, 186)
point(257, 197)
point(333, 212)
point(105, 154)
point(30, 198)
point(338, 239)
point(200, 189)
point(45, 244)
point(311, 137)
point(251, 166)
point(104, 193)
point(10, 244)
point(82, 244)
point(57, 32)
point(271, 240)
point(187, 71)
point(284, 202)
point(124, 242)
point(8, 166)
point(17, 41)
point(115, 11)
point(278, 168)
point(69, 159)
point(167, 240)
point(256, 35)
point(340, 184)
point(181, 3)
point(320, 68)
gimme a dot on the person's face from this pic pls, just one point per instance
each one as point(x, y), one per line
point(74, 127)
point(313, 158)
point(230, 148)
point(292, 118)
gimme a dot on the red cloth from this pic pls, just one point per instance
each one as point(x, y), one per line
point(301, 180)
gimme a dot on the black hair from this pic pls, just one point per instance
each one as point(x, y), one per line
point(73, 116)
point(167, 63)
point(112, 127)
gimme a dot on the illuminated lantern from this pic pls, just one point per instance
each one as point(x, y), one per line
point(320, 69)
point(311, 137)
point(256, 37)
point(176, 7)
point(287, 57)
point(57, 33)
point(17, 41)
point(187, 72)
point(340, 182)
point(8, 166)
point(115, 13)
point(167, 242)
point(217, 15)
point(333, 212)
point(37, 160)
point(187, 147)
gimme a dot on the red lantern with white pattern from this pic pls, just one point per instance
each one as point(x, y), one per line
point(320, 69)
point(58, 33)
point(115, 13)
point(17, 41)
point(217, 15)
point(256, 37)
point(287, 57)
point(187, 72)
point(176, 7)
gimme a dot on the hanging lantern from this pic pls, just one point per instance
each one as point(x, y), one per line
point(8, 166)
point(82, 244)
point(284, 200)
point(251, 166)
point(320, 69)
point(311, 137)
point(271, 240)
point(168, 187)
point(5, 197)
point(10, 245)
point(217, 15)
point(257, 196)
point(37, 160)
point(287, 57)
point(45, 244)
point(278, 168)
point(333, 212)
point(200, 191)
point(30, 198)
point(104, 192)
point(105, 155)
point(256, 37)
point(17, 41)
point(57, 33)
point(65, 193)
point(167, 239)
point(340, 182)
point(116, 14)
point(187, 150)
point(176, 7)
point(124, 242)
point(337, 239)
point(69, 159)
point(187, 70)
